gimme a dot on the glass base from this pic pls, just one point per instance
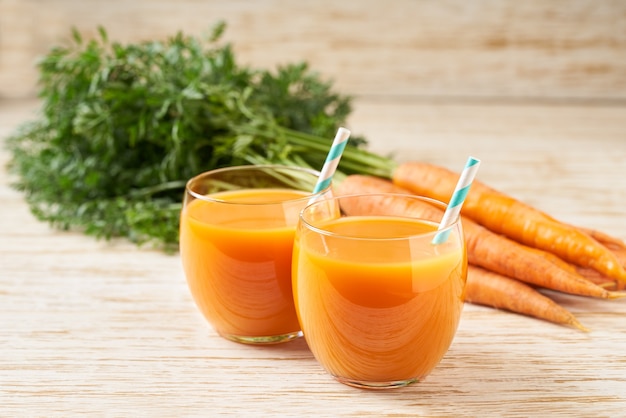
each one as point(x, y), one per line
point(361, 384)
point(263, 340)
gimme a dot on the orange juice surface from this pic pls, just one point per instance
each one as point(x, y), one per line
point(378, 312)
point(237, 258)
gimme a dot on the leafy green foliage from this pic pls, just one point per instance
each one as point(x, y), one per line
point(123, 127)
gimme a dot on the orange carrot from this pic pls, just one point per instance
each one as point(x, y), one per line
point(497, 291)
point(484, 248)
point(620, 254)
point(618, 247)
point(358, 183)
point(605, 239)
point(598, 278)
point(613, 244)
point(502, 255)
point(506, 215)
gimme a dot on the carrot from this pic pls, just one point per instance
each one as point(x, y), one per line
point(620, 255)
point(613, 244)
point(358, 183)
point(617, 247)
point(484, 248)
point(507, 257)
point(597, 278)
point(605, 239)
point(491, 289)
point(506, 215)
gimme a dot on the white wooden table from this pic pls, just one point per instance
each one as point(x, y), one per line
point(91, 328)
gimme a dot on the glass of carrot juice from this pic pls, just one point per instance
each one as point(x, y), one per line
point(237, 227)
point(378, 302)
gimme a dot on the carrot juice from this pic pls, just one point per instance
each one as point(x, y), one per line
point(378, 303)
point(236, 251)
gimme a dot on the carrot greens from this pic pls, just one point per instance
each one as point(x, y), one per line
point(123, 126)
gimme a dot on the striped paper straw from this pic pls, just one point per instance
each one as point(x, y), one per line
point(332, 160)
point(458, 197)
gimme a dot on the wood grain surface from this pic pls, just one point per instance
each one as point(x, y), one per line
point(555, 49)
point(91, 328)
point(536, 89)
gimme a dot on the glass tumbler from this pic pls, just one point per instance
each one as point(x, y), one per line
point(378, 302)
point(237, 227)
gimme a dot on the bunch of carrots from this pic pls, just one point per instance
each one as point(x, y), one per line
point(514, 250)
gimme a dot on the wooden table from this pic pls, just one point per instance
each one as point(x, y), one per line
point(95, 328)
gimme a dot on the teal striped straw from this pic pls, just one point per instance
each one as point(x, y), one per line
point(456, 201)
point(332, 160)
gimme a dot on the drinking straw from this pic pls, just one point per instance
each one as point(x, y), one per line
point(332, 160)
point(456, 201)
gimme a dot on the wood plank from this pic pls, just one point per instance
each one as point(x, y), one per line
point(540, 49)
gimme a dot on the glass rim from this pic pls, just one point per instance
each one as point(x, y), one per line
point(320, 230)
point(207, 198)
